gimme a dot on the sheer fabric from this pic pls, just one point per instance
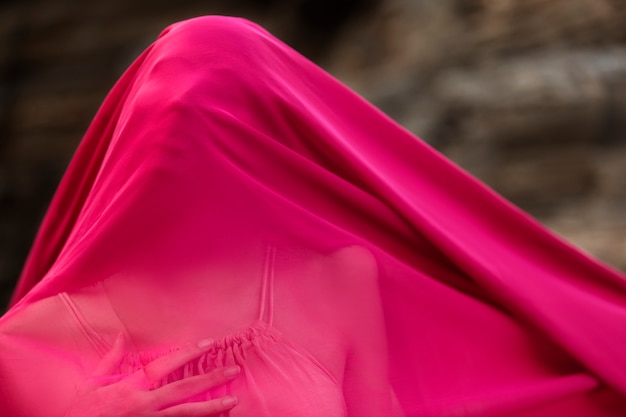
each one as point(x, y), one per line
point(229, 188)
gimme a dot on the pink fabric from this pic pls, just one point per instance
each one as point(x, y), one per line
point(400, 285)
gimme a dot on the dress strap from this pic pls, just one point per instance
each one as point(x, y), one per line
point(266, 309)
point(94, 315)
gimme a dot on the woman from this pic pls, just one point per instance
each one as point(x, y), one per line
point(230, 189)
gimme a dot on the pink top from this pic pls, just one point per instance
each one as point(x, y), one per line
point(402, 286)
point(270, 362)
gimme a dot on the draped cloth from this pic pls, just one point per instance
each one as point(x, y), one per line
point(419, 288)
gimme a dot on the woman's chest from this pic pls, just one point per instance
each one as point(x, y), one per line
point(156, 318)
point(277, 378)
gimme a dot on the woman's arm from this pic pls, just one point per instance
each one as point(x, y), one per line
point(366, 384)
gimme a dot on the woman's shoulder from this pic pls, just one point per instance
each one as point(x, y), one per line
point(355, 260)
point(55, 321)
point(42, 350)
point(352, 270)
point(41, 318)
point(334, 283)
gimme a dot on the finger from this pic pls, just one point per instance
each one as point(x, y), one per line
point(104, 380)
point(180, 390)
point(200, 409)
point(111, 361)
point(165, 365)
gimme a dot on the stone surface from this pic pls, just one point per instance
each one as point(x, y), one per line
point(528, 96)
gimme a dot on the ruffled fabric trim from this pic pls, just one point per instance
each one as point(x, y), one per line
point(227, 350)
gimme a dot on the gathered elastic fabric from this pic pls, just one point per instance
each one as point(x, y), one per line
point(222, 352)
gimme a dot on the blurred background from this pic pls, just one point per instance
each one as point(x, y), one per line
point(529, 96)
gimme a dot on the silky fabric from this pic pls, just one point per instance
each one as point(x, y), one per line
point(268, 359)
point(397, 277)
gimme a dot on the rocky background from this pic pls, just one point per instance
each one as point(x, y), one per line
point(530, 96)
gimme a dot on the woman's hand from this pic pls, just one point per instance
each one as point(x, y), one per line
point(108, 395)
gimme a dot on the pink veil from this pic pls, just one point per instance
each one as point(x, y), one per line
point(220, 140)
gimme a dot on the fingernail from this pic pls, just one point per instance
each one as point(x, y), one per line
point(231, 371)
point(204, 343)
point(229, 401)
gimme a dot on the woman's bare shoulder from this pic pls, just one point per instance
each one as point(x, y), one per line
point(352, 275)
point(355, 265)
point(37, 314)
point(49, 319)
